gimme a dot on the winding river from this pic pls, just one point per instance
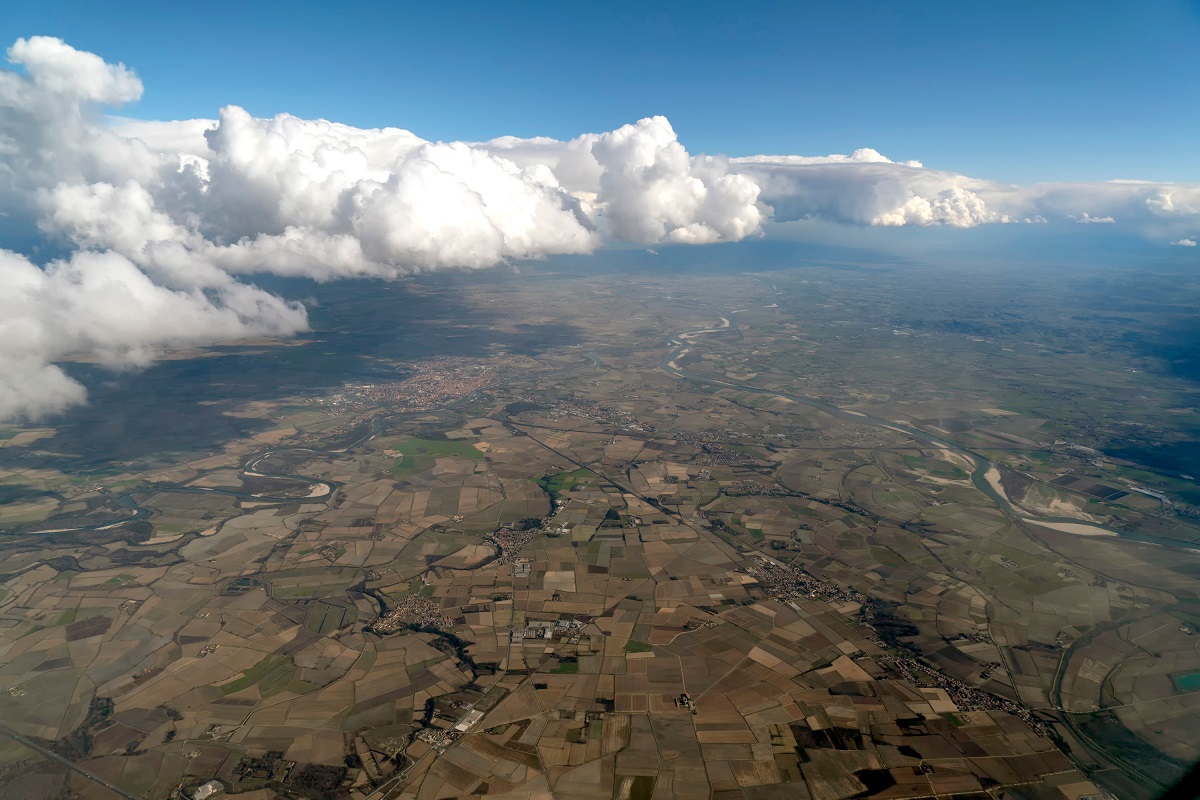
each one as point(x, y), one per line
point(985, 476)
point(318, 489)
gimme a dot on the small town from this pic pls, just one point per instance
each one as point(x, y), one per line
point(412, 609)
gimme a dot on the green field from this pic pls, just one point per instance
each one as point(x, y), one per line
point(564, 481)
point(638, 647)
point(327, 617)
point(1187, 681)
point(310, 582)
point(418, 455)
point(273, 674)
point(935, 467)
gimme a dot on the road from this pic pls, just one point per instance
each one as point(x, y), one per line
point(91, 776)
point(979, 478)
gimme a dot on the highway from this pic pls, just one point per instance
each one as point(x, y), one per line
point(91, 776)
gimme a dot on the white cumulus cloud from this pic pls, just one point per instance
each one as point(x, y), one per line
point(167, 218)
point(866, 188)
point(103, 305)
point(1184, 243)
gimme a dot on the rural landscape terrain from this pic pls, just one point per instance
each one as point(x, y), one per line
point(631, 530)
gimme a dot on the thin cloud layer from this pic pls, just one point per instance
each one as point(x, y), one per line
point(167, 219)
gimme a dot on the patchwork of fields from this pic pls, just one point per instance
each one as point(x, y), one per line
point(592, 576)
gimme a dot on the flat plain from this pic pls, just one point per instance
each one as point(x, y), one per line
point(817, 532)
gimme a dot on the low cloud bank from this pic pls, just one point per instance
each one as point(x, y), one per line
point(102, 304)
point(868, 189)
point(167, 221)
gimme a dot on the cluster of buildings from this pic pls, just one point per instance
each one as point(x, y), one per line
point(586, 409)
point(684, 700)
point(439, 738)
point(547, 629)
point(428, 384)
point(509, 542)
point(719, 455)
point(207, 790)
point(966, 697)
point(271, 767)
point(694, 624)
point(789, 583)
point(331, 552)
point(412, 608)
point(591, 411)
point(756, 488)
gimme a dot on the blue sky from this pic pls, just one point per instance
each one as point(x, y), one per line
point(119, 238)
point(1013, 91)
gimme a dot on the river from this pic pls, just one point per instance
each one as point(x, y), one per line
point(319, 490)
point(984, 477)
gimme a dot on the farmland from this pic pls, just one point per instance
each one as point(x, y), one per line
point(841, 549)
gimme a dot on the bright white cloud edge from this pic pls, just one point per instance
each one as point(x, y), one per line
point(165, 216)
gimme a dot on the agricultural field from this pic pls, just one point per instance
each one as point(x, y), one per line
point(844, 546)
